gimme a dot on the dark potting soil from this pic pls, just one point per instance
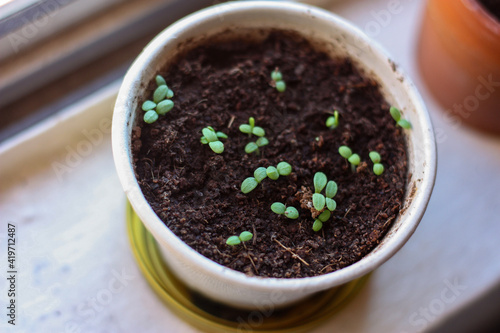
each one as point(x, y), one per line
point(493, 6)
point(197, 192)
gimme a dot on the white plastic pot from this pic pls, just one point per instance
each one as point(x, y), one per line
point(341, 38)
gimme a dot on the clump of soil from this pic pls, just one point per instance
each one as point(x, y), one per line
point(493, 6)
point(197, 192)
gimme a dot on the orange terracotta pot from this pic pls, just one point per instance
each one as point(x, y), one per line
point(459, 59)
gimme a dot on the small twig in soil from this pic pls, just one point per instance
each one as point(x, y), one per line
point(253, 264)
point(201, 101)
point(294, 255)
point(325, 268)
point(231, 121)
point(389, 220)
point(254, 234)
point(350, 207)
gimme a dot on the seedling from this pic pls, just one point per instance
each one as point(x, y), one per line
point(354, 159)
point(378, 168)
point(211, 138)
point(333, 121)
point(253, 147)
point(396, 115)
point(245, 236)
point(161, 103)
point(250, 128)
point(277, 77)
point(261, 173)
point(281, 209)
point(320, 200)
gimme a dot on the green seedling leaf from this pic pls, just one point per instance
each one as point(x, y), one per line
point(333, 121)
point(272, 173)
point(251, 147)
point(245, 128)
point(160, 93)
point(319, 181)
point(170, 93)
point(260, 174)
point(378, 169)
point(221, 135)
point(209, 133)
point(404, 123)
point(325, 216)
point(354, 159)
point(318, 201)
point(284, 169)
point(258, 131)
point(331, 204)
point(164, 106)
point(160, 81)
point(278, 208)
point(281, 86)
point(245, 236)
point(261, 142)
point(148, 105)
point(317, 225)
point(396, 115)
point(150, 117)
point(292, 213)
point(276, 75)
point(216, 146)
point(233, 241)
point(249, 185)
point(345, 151)
point(331, 189)
point(375, 157)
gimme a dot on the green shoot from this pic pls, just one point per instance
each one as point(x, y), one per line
point(148, 105)
point(164, 106)
point(331, 189)
point(278, 208)
point(272, 173)
point(333, 121)
point(160, 93)
point(320, 201)
point(161, 103)
point(160, 81)
point(245, 236)
point(317, 225)
point(250, 128)
point(276, 75)
point(281, 86)
point(211, 138)
point(396, 115)
point(354, 159)
point(319, 182)
point(284, 169)
point(253, 147)
point(261, 173)
point(249, 185)
point(277, 78)
point(281, 209)
point(378, 168)
point(150, 117)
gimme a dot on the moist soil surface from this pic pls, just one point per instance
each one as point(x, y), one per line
point(493, 6)
point(196, 192)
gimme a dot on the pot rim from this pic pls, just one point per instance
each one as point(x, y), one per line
point(122, 158)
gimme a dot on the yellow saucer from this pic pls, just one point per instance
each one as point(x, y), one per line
point(210, 316)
